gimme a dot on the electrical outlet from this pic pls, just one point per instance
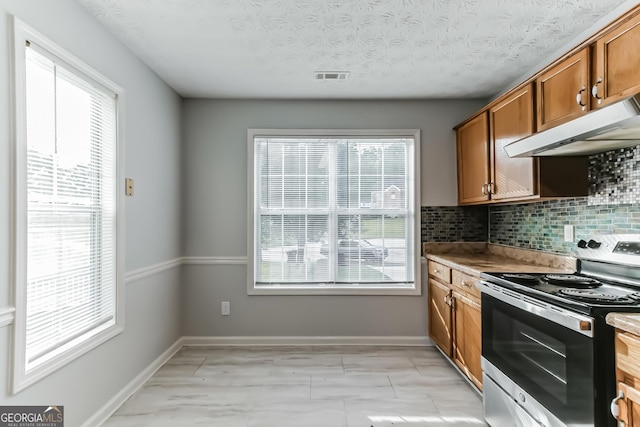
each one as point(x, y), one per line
point(568, 233)
point(225, 308)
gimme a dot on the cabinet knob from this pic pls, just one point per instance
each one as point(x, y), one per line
point(579, 98)
point(594, 90)
point(436, 271)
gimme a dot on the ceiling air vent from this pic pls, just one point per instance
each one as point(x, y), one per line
point(332, 75)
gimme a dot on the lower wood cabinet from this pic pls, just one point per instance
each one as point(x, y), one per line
point(627, 404)
point(455, 322)
point(467, 341)
point(440, 316)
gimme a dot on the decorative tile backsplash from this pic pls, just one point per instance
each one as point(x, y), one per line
point(454, 224)
point(540, 226)
point(613, 206)
point(614, 177)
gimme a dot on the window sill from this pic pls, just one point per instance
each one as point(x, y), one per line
point(362, 290)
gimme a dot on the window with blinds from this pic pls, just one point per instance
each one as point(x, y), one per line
point(67, 211)
point(334, 212)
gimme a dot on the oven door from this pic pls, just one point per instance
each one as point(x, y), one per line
point(547, 352)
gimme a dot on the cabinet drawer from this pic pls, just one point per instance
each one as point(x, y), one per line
point(628, 353)
point(440, 271)
point(465, 283)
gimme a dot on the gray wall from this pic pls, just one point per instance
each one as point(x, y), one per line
point(215, 214)
point(152, 145)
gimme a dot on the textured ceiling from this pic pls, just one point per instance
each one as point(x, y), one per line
point(393, 48)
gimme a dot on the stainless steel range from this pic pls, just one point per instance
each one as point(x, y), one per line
point(547, 353)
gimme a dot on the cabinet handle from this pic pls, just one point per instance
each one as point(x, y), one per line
point(594, 90)
point(490, 188)
point(467, 284)
point(579, 98)
point(483, 189)
point(615, 408)
point(436, 271)
point(447, 300)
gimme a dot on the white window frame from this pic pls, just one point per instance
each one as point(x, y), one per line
point(356, 289)
point(21, 378)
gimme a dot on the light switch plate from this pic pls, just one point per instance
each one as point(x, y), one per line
point(128, 185)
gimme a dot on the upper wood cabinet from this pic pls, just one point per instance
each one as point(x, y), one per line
point(510, 120)
point(595, 76)
point(473, 160)
point(486, 174)
point(603, 69)
point(563, 91)
point(616, 57)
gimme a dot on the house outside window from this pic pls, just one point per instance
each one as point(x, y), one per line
point(333, 212)
point(68, 243)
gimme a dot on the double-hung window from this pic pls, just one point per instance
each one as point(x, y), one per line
point(68, 270)
point(333, 212)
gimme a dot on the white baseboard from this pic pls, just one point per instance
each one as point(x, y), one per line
point(116, 401)
point(293, 341)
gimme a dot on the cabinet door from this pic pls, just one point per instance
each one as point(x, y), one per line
point(509, 121)
point(440, 316)
point(467, 347)
point(473, 160)
point(558, 90)
point(629, 406)
point(617, 64)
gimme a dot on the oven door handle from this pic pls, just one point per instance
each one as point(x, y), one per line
point(574, 321)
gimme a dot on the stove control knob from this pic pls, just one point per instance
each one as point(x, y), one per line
point(592, 244)
point(522, 397)
point(582, 243)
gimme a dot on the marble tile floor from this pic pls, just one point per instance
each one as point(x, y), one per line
point(315, 386)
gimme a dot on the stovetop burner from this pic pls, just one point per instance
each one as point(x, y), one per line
point(591, 295)
point(571, 281)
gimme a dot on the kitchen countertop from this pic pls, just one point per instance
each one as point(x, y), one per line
point(498, 258)
point(628, 322)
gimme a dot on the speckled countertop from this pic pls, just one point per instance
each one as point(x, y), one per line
point(629, 322)
point(474, 264)
point(496, 258)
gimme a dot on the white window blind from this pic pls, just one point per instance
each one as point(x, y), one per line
point(334, 212)
point(70, 207)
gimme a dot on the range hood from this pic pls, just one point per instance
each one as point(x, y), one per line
point(614, 126)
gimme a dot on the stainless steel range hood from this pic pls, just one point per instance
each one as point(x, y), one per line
point(614, 126)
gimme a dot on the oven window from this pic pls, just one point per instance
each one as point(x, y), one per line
point(541, 358)
point(549, 361)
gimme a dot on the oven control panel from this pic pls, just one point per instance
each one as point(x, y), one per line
point(614, 248)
